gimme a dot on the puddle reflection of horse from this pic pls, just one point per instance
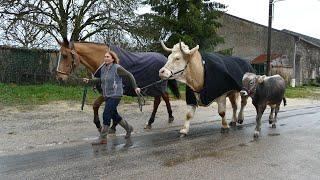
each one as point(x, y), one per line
point(144, 67)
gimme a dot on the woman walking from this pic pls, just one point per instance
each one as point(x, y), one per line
point(112, 91)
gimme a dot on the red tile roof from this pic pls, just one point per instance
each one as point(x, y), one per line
point(263, 58)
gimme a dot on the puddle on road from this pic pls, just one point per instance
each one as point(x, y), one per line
point(179, 160)
point(243, 145)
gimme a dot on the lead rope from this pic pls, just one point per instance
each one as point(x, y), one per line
point(141, 99)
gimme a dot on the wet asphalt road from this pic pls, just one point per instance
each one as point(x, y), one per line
point(291, 151)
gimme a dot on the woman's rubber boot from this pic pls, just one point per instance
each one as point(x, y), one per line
point(112, 129)
point(103, 136)
point(127, 127)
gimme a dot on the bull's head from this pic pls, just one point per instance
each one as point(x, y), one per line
point(177, 61)
point(250, 82)
point(68, 60)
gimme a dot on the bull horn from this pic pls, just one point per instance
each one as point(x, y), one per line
point(165, 47)
point(194, 49)
point(181, 49)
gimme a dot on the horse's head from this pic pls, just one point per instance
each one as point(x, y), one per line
point(177, 60)
point(68, 60)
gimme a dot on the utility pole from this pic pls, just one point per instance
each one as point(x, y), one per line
point(268, 69)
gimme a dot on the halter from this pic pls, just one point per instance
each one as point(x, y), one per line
point(177, 72)
point(249, 91)
point(74, 60)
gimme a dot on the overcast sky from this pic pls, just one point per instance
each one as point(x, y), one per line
point(296, 15)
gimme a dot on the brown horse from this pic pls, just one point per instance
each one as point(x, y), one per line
point(91, 56)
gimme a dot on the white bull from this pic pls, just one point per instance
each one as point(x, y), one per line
point(186, 66)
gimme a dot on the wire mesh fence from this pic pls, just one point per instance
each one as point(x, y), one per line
point(27, 66)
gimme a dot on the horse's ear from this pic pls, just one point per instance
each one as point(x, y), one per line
point(60, 43)
point(65, 42)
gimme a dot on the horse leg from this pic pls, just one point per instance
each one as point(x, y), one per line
point(233, 100)
point(222, 112)
point(156, 102)
point(97, 103)
point(185, 130)
point(165, 97)
point(243, 105)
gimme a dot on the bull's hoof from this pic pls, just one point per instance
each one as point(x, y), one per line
point(270, 121)
point(170, 119)
point(147, 126)
point(256, 134)
point(240, 121)
point(233, 124)
point(184, 131)
point(224, 130)
point(273, 126)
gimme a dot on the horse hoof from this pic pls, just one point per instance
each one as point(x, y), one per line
point(99, 129)
point(273, 126)
point(233, 124)
point(270, 121)
point(224, 130)
point(170, 119)
point(147, 126)
point(183, 135)
point(99, 142)
point(240, 121)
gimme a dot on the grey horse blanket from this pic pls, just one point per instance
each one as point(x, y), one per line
point(222, 74)
point(144, 67)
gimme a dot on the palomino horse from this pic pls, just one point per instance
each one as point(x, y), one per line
point(91, 56)
point(211, 77)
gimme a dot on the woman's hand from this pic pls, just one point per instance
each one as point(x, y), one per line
point(85, 80)
point(137, 90)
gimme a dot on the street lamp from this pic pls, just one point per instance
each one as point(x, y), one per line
point(268, 69)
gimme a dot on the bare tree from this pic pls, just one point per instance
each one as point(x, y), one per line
point(24, 34)
point(78, 20)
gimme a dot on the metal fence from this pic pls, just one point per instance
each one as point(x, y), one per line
point(26, 66)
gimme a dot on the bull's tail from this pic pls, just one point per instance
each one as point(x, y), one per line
point(173, 86)
point(284, 101)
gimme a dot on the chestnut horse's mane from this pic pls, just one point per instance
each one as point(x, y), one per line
point(87, 42)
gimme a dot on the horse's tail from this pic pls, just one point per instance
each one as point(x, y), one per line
point(173, 86)
point(284, 101)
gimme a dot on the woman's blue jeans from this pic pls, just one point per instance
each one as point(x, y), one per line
point(110, 111)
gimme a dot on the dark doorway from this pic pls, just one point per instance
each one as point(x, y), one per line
point(298, 69)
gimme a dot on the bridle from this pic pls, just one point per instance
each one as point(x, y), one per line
point(75, 60)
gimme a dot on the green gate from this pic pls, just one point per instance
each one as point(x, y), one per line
point(259, 68)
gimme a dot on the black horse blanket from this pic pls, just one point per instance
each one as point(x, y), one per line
point(144, 67)
point(222, 74)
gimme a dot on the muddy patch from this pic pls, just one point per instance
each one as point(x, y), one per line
point(274, 134)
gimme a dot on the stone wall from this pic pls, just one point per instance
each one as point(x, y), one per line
point(249, 40)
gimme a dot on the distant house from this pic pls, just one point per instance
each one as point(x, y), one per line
point(294, 56)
